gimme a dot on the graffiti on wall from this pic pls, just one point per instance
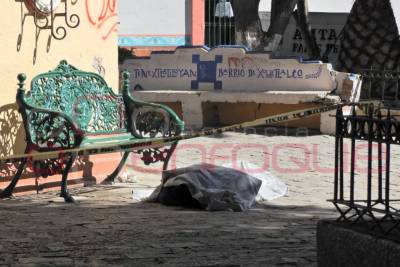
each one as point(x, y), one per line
point(102, 19)
point(97, 64)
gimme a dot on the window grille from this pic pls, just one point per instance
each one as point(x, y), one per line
point(381, 85)
point(220, 23)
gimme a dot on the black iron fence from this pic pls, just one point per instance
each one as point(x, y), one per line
point(220, 23)
point(370, 195)
point(381, 85)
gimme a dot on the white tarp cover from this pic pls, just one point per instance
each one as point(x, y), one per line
point(271, 187)
point(217, 188)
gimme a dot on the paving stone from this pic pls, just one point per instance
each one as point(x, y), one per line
point(107, 227)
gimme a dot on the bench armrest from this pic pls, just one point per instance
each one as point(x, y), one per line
point(150, 119)
point(49, 130)
point(46, 129)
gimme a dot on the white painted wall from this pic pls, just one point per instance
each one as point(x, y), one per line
point(396, 10)
point(154, 17)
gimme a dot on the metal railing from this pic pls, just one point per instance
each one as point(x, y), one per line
point(370, 196)
point(381, 85)
point(220, 23)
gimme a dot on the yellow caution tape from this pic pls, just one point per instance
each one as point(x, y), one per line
point(159, 142)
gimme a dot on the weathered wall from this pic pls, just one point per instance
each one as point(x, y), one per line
point(325, 27)
point(160, 25)
point(155, 22)
point(209, 108)
point(227, 69)
point(91, 46)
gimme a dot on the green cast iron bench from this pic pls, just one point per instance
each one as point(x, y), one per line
point(67, 108)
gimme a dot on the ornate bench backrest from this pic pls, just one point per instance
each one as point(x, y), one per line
point(83, 96)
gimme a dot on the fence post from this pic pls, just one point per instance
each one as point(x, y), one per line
point(379, 129)
point(353, 151)
point(387, 174)
point(370, 136)
point(337, 152)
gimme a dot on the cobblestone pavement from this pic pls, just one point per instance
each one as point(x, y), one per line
point(108, 228)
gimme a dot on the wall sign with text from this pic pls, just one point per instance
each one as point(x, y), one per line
point(325, 28)
point(229, 69)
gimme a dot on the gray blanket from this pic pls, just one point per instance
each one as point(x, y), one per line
point(208, 187)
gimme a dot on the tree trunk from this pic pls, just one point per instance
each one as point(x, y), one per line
point(249, 31)
point(303, 22)
point(281, 11)
point(248, 25)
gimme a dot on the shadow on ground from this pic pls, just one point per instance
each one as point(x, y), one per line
point(107, 228)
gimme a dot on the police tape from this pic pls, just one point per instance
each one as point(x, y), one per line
point(145, 143)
